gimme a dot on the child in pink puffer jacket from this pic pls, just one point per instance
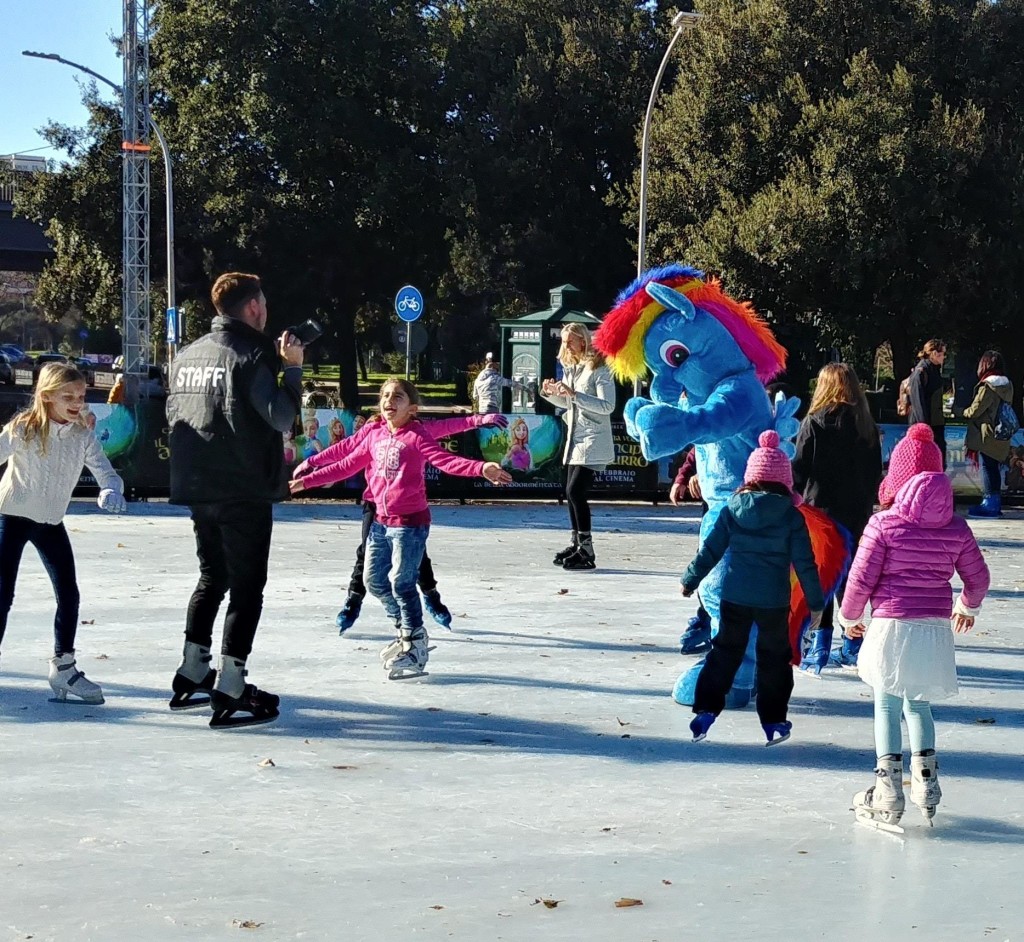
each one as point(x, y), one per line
point(904, 563)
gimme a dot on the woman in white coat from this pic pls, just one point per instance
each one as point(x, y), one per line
point(586, 392)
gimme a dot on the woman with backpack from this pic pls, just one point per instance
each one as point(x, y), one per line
point(991, 423)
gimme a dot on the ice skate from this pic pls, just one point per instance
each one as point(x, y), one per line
point(412, 656)
point(696, 639)
point(777, 732)
point(437, 609)
point(700, 725)
point(818, 653)
point(236, 703)
point(65, 678)
point(924, 783)
point(190, 694)
point(194, 678)
point(881, 806)
point(562, 555)
point(349, 612)
point(846, 656)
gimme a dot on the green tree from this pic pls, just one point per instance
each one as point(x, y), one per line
point(840, 164)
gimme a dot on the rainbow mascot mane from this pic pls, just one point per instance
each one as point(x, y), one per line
point(709, 356)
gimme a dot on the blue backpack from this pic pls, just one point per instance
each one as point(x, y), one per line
point(1007, 423)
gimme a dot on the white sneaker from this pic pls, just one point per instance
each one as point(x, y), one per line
point(65, 678)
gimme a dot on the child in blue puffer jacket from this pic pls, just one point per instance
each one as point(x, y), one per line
point(764, 534)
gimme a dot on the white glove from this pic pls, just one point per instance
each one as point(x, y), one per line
point(815, 621)
point(112, 501)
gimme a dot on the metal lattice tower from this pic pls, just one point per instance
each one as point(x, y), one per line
point(135, 177)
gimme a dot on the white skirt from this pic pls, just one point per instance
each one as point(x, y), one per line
point(910, 657)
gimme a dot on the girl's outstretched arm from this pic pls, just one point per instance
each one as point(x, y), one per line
point(356, 460)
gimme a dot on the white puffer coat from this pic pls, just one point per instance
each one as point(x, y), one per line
point(588, 415)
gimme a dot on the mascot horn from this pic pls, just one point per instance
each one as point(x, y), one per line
point(710, 357)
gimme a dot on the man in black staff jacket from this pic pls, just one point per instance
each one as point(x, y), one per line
point(226, 413)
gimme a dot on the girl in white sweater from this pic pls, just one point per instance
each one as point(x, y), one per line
point(45, 448)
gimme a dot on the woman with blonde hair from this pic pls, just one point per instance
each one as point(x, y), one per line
point(586, 392)
point(837, 468)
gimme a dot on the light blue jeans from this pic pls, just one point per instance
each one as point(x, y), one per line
point(920, 725)
point(393, 556)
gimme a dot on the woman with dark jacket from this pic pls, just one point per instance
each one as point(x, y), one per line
point(993, 389)
point(926, 392)
point(837, 468)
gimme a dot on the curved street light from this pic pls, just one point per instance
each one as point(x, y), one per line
point(682, 22)
point(168, 176)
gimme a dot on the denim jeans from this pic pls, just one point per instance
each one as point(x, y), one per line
point(991, 476)
point(357, 585)
point(393, 556)
point(54, 548)
point(233, 546)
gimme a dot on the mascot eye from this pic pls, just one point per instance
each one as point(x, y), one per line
point(673, 353)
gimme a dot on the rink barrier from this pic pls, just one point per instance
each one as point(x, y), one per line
point(135, 439)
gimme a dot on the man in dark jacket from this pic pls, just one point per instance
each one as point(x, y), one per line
point(227, 413)
point(926, 392)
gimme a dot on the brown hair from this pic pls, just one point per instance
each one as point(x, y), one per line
point(589, 354)
point(765, 487)
point(408, 388)
point(991, 362)
point(933, 346)
point(838, 385)
point(233, 290)
point(34, 421)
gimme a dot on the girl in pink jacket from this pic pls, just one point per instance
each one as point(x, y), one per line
point(903, 567)
point(395, 453)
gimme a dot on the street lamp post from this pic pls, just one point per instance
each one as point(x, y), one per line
point(681, 22)
point(168, 175)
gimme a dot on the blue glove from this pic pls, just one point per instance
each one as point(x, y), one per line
point(112, 501)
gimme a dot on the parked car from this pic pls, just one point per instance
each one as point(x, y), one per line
point(12, 351)
point(10, 363)
point(43, 358)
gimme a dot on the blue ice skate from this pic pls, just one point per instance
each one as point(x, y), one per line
point(700, 725)
point(696, 639)
point(818, 653)
point(777, 732)
point(436, 608)
point(349, 612)
point(846, 656)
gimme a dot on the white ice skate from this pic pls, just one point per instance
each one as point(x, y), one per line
point(881, 806)
point(65, 678)
point(411, 657)
point(924, 783)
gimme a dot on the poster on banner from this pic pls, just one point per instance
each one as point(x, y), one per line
point(317, 429)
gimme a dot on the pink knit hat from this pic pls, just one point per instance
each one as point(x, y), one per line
point(914, 453)
point(767, 463)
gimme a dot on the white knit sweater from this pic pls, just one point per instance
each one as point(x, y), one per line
point(39, 486)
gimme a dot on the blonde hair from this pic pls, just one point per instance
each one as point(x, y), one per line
point(589, 355)
point(838, 385)
point(34, 422)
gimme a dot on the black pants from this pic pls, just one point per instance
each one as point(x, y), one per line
point(578, 481)
point(233, 546)
point(54, 548)
point(356, 585)
point(939, 431)
point(774, 670)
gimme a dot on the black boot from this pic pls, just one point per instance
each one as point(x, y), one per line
point(562, 556)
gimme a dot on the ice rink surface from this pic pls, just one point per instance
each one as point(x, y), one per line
point(542, 760)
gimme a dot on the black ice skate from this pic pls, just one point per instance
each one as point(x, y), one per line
point(191, 694)
point(253, 707)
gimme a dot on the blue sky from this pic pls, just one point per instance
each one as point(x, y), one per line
point(33, 91)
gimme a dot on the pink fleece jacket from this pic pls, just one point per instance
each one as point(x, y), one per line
point(395, 479)
point(908, 554)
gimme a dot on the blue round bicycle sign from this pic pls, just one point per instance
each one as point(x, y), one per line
point(409, 303)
